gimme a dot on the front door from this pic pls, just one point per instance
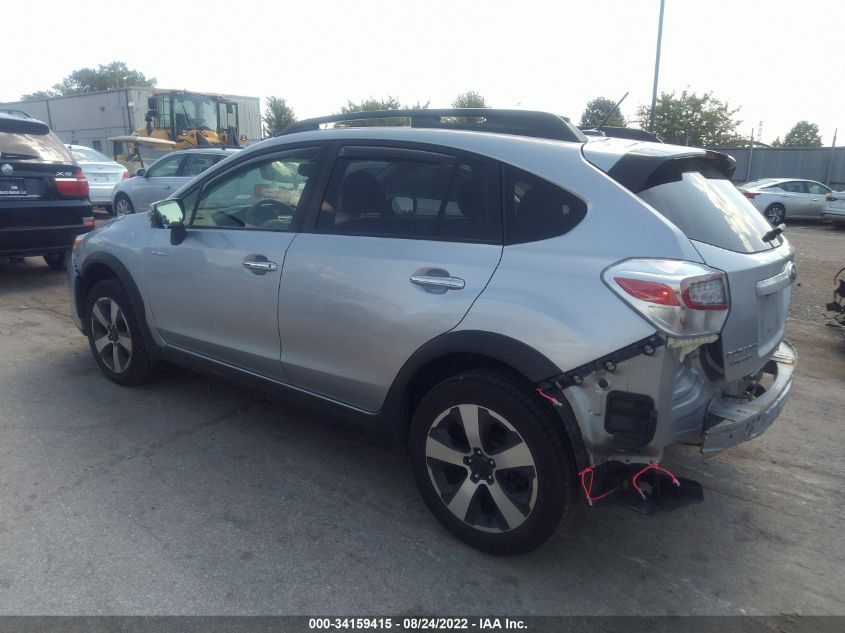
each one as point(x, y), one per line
point(216, 294)
point(157, 183)
point(404, 242)
point(796, 199)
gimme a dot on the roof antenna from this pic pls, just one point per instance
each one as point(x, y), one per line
point(610, 112)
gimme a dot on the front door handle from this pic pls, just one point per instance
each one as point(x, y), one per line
point(260, 266)
point(432, 281)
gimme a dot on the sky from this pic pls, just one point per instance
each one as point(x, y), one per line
point(780, 61)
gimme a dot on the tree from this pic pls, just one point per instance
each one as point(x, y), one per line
point(470, 99)
point(599, 108)
point(372, 105)
point(105, 77)
point(803, 134)
point(690, 119)
point(277, 116)
point(38, 94)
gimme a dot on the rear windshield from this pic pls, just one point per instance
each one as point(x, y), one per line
point(713, 211)
point(38, 147)
point(88, 155)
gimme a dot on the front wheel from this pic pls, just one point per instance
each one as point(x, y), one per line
point(114, 335)
point(491, 463)
point(775, 214)
point(56, 261)
point(123, 205)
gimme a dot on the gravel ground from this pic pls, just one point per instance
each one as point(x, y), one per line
point(190, 496)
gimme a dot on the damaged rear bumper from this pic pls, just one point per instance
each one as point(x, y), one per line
point(731, 421)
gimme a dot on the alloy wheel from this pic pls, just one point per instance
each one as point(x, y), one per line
point(482, 468)
point(122, 206)
point(774, 215)
point(112, 339)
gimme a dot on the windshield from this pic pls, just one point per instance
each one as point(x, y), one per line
point(88, 155)
point(713, 211)
point(191, 112)
point(45, 147)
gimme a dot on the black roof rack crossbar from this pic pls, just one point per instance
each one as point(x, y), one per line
point(520, 122)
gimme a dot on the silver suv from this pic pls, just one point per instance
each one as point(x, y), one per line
point(536, 316)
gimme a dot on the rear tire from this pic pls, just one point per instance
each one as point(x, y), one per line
point(504, 485)
point(123, 205)
point(114, 335)
point(56, 261)
point(775, 214)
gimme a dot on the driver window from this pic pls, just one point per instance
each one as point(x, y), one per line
point(166, 167)
point(267, 195)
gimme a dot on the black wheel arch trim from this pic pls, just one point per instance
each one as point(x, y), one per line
point(521, 357)
point(509, 351)
point(128, 282)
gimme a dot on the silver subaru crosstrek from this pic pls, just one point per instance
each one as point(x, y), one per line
point(536, 316)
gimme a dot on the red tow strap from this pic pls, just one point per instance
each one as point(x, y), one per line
point(656, 467)
point(551, 399)
point(588, 475)
point(587, 486)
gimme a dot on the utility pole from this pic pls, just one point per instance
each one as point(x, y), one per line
point(832, 156)
point(750, 156)
point(656, 68)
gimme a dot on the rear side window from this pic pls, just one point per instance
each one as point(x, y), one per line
point(454, 200)
point(711, 210)
point(535, 209)
point(39, 147)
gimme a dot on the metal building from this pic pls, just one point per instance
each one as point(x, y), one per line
point(91, 118)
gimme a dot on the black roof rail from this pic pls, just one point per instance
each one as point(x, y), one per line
point(520, 122)
point(632, 133)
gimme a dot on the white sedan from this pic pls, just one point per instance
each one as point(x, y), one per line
point(787, 198)
point(102, 172)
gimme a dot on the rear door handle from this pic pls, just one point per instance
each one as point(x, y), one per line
point(431, 281)
point(260, 266)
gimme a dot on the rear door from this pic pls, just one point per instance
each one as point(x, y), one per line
point(216, 294)
point(729, 234)
point(396, 252)
point(817, 199)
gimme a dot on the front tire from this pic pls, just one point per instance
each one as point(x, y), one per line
point(775, 214)
point(56, 261)
point(114, 335)
point(123, 205)
point(491, 463)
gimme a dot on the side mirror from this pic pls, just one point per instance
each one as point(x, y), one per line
point(141, 172)
point(171, 215)
point(403, 205)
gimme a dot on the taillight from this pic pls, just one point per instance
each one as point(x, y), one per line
point(705, 293)
point(74, 186)
point(125, 175)
point(750, 194)
point(89, 222)
point(682, 299)
point(651, 291)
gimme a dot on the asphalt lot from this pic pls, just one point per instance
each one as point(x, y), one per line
point(189, 496)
